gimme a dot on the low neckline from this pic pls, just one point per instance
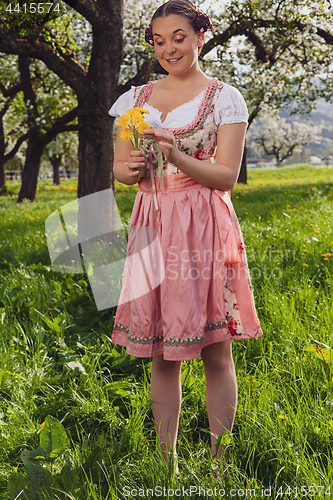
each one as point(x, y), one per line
point(152, 83)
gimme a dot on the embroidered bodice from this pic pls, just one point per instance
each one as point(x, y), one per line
point(194, 124)
point(197, 139)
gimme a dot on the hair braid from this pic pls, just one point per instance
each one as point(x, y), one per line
point(199, 20)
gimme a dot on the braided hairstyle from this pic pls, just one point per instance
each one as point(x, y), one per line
point(198, 20)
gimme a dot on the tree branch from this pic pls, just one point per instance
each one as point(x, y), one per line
point(15, 149)
point(260, 52)
point(12, 91)
point(94, 11)
point(60, 125)
point(247, 26)
point(149, 67)
point(289, 153)
point(67, 67)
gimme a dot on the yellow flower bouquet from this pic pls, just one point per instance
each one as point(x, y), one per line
point(133, 125)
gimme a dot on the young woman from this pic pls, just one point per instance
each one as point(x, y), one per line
point(205, 299)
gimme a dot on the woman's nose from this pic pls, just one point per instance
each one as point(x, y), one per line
point(171, 49)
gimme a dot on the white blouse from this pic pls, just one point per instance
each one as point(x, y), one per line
point(230, 107)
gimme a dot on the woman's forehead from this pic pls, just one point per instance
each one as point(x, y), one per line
point(170, 24)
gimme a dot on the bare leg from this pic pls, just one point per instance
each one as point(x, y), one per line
point(166, 396)
point(221, 390)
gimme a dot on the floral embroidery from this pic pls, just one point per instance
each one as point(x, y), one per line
point(215, 326)
point(198, 139)
point(232, 325)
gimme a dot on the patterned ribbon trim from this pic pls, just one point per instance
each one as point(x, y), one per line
point(229, 238)
point(155, 150)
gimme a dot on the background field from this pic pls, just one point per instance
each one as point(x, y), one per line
point(283, 431)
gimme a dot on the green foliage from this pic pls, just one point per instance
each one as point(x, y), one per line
point(57, 359)
point(26, 19)
point(39, 483)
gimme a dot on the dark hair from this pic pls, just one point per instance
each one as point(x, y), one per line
point(199, 20)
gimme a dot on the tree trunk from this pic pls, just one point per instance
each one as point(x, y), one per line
point(95, 152)
point(2, 157)
point(96, 91)
point(31, 167)
point(2, 173)
point(242, 177)
point(56, 162)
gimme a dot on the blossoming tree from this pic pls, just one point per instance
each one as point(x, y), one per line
point(275, 136)
point(280, 47)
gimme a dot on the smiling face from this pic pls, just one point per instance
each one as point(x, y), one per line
point(176, 44)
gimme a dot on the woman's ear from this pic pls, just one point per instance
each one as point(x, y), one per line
point(201, 39)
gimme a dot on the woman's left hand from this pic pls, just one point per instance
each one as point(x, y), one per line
point(167, 143)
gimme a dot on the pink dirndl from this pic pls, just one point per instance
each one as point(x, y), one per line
point(195, 283)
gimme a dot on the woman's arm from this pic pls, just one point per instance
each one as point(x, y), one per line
point(127, 161)
point(224, 172)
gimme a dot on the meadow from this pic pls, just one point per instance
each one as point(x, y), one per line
point(57, 360)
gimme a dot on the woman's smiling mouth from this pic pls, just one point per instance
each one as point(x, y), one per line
point(174, 60)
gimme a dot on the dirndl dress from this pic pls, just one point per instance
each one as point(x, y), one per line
point(193, 288)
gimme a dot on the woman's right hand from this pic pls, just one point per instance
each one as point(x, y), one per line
point(137, 162)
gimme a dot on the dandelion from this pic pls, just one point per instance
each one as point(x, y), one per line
point(305, 264)
point(124, 121)
point(305, 250)
point(133, 125)
point(137, 118)
point(283, 417)
point(316, 231)
point(126, 135)
point(142, 126)
point(143, 110)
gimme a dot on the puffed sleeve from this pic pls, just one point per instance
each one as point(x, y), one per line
point(123, 103)
point(230, 107)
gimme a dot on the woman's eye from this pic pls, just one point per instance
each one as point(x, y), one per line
point(159, 43)
point(179, 39)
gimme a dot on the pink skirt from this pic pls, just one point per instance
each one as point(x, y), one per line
point(186, 282)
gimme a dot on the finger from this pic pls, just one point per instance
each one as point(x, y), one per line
point(158, 132)
point(136, 159)
point(166, 144)
point(136, 154)
point(134, 166)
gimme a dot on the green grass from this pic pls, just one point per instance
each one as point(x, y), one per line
point(283, 431)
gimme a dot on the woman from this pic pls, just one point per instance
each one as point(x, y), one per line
point(205, 299)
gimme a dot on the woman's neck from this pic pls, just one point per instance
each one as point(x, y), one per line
point(192, 79)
